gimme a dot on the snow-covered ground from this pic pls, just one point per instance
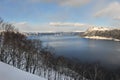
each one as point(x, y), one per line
point(98, 29)
point(8, 72)
point(101, 38)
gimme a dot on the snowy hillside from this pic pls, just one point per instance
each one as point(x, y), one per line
point(102, 33)
point(8, 72)
point(97, 29)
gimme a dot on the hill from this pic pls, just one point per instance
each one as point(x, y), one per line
point(102, 33)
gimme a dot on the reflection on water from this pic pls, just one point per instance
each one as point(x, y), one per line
point(104, 51)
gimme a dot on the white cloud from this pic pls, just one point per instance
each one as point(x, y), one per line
point(67, 24)
point(40, 0)
point(72, 3)
point(23, 26)
point(117, 18)
point(112, 11)
point(20, 23)
point(68, 27)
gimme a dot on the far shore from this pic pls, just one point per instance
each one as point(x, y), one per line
point(101, 38)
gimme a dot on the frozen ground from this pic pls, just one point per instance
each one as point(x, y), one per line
point(8, 72)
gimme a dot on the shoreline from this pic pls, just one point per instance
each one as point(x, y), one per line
point(101, 38)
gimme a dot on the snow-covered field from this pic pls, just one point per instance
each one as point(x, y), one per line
point(8, 72)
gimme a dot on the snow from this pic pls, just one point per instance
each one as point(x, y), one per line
point(98, 29)
point(101, 38)
point(98, 37)
point(8, 72)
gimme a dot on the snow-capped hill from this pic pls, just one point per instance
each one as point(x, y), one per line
point(97, 29)
point(102, 33)
point(8, 72)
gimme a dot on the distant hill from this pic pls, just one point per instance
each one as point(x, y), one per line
point(53, 33)
point(102, 32)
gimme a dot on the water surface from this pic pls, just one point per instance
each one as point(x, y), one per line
point(104, 51)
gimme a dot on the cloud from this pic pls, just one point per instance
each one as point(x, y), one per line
point(67, 24)
point(112, 11)
point(71, 3)
point(48, 27)
point(20, 23)
point(23, 26)
point(117, 18)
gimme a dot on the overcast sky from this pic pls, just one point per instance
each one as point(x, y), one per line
point(60, 15)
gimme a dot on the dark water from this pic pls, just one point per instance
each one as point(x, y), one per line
point(104, 51)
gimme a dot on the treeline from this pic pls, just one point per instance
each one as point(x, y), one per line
point(115, 33)
point(29, 55)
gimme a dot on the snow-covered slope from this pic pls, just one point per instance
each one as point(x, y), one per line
point(8, 72)
point(102, 33)
point(97, 29)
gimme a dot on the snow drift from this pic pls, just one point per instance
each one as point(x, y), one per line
point(8, 72)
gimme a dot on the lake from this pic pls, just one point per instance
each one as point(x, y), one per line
point(86, 50)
